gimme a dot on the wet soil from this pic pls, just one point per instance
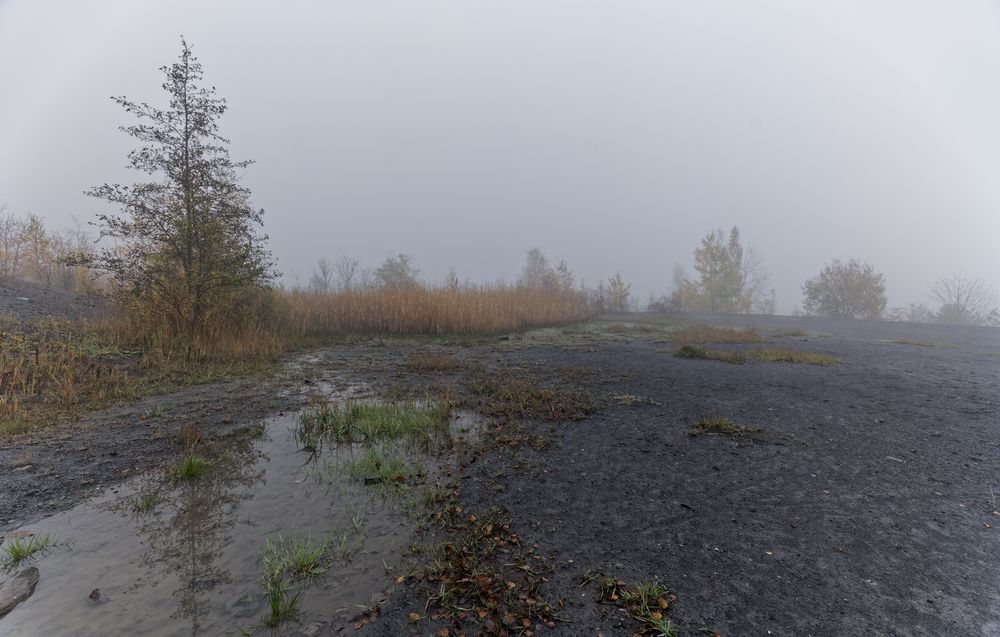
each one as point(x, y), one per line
point(866, 508)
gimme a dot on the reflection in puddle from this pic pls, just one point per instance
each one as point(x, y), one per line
point(169, 556)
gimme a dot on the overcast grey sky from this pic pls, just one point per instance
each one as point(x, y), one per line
point(612, 134)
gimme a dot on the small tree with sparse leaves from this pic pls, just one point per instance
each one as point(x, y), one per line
point(188, 243)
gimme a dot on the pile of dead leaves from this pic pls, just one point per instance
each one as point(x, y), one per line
point(484, 576)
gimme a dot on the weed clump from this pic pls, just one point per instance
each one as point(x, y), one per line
point(381, 468)
point(25, 549)
point(290, 562)
point(371, 423)
point(728, 428)
point(646, 602)
point(191, 467)
point(508, 394)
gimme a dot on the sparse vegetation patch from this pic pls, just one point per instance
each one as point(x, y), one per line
point(710, 334)
point(762, 355)
point(433, 362)
point(191, 467)
point(646, 602)
point(368, 423)
point(511, 394)
point(20, 550)
point(726, 427)
point(484, 575)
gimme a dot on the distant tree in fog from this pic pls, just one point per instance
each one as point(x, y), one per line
point(965, 301)
point(846, 290)
point(322, 277)
point(564, 277)
point(732, 278)
point(619, 294)
point(912, 313)
point(537, 273)
point(11, 244)
point(397, 272)
point(451, 280)
point(348, 274)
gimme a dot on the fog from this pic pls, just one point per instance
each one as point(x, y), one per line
point(613, 135)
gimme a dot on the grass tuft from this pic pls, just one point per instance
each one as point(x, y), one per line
point(381, 468)
point(191, 467)
point(646, 602)
point(726, 427)
point(25, 549)
point(425, 426)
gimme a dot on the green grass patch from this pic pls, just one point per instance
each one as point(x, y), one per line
point(191, 468)
point(290, 565)
point(23, 550)
point(425, 426)
point(382, 468)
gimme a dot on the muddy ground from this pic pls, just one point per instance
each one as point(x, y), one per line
point(866, 505)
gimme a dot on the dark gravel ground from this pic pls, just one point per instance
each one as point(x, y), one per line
point(866, 511)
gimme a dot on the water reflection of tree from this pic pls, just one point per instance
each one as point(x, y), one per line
point(190, 528)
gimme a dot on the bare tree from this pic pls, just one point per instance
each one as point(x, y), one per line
point(965, 301)
point(321, 280)
point(348, 273)
point(537, 273)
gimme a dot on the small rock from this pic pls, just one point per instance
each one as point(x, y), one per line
point(19, 534)
point(95, 594)
point(312, 630)
point(17, 589)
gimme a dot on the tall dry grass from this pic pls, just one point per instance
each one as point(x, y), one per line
point(464, 311)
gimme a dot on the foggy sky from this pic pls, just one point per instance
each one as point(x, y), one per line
point(612, 134)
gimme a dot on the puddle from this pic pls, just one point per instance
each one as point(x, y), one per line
point(190, 565)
